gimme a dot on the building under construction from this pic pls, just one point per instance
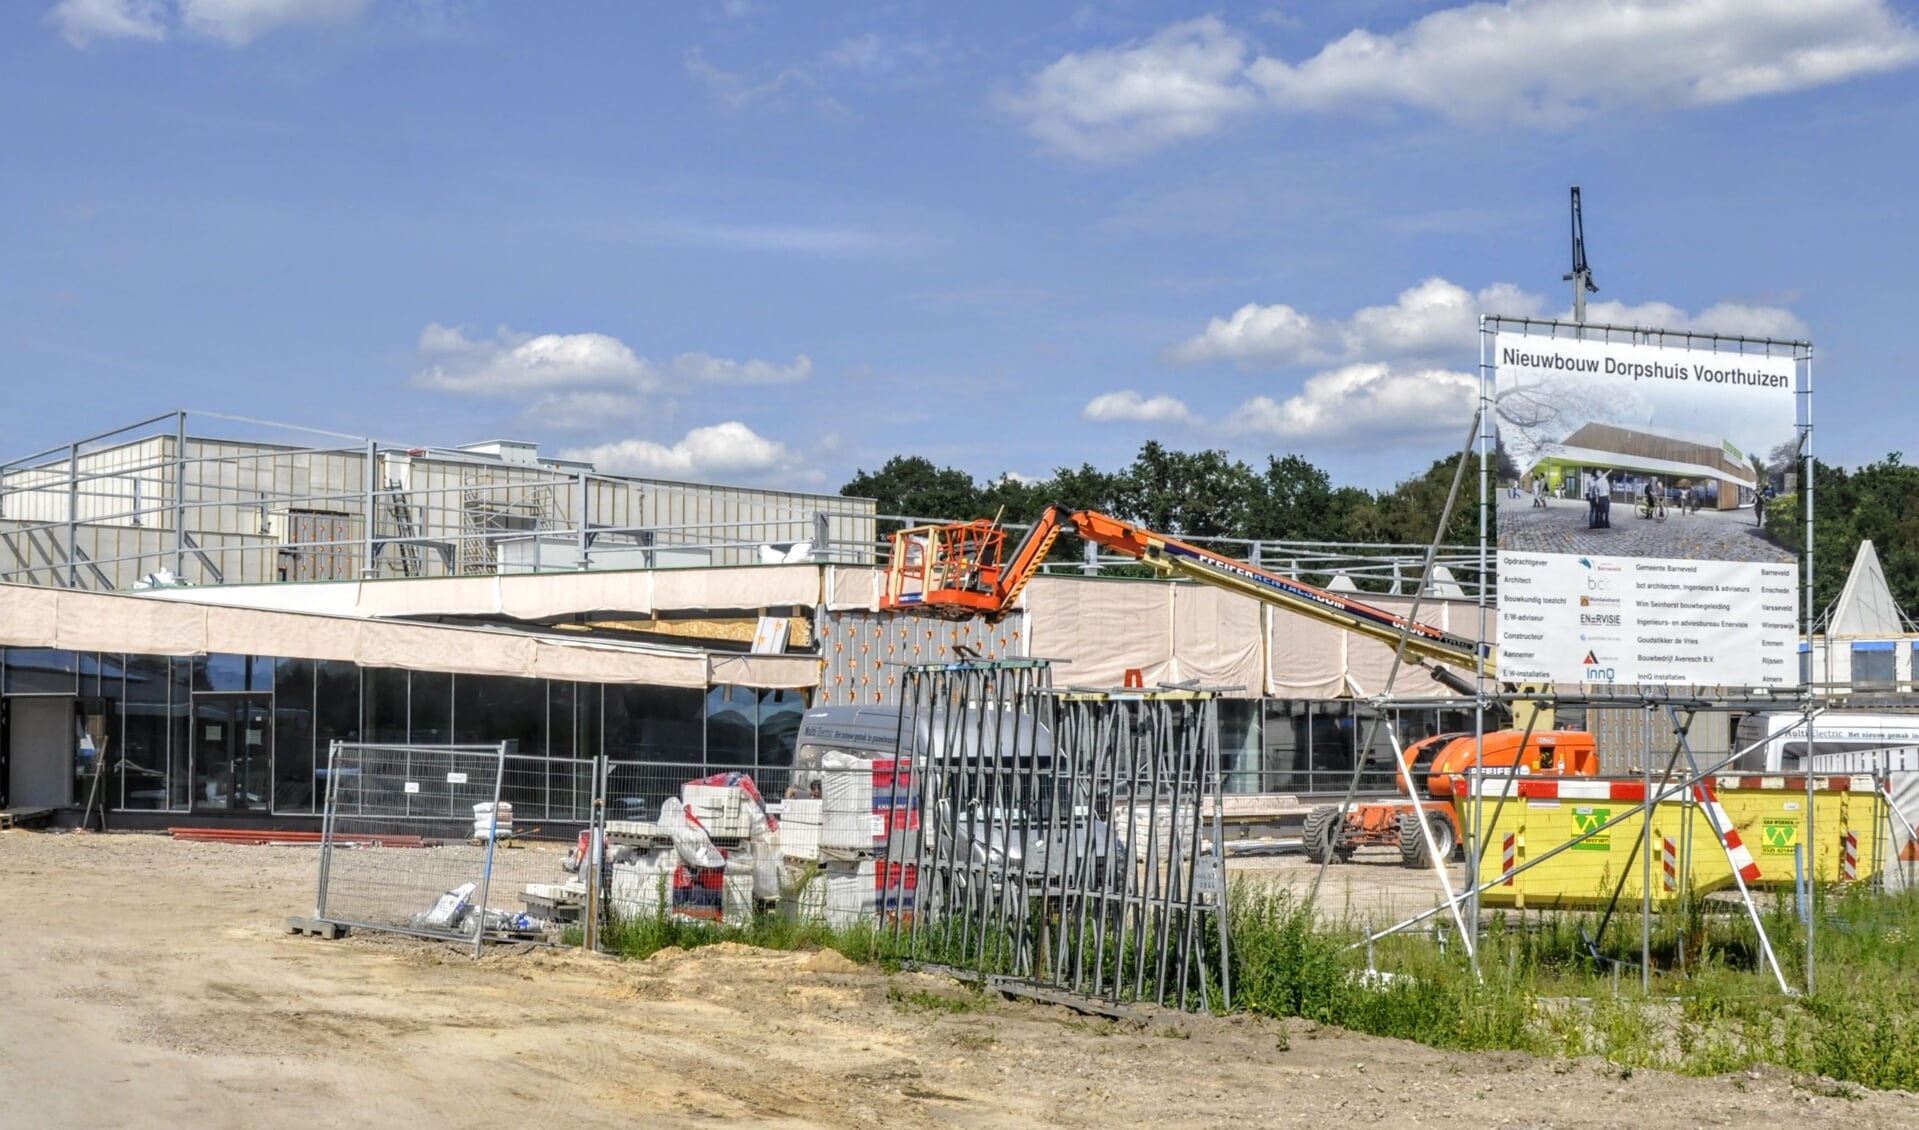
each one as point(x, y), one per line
point(192, 610)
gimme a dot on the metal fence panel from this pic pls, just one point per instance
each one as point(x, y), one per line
point(428, 840)
point(1066, 843)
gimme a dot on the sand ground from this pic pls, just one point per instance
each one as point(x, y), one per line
point(149, 983)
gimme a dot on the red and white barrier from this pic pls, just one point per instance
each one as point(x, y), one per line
point(1669, 862)
point(1634, 792)
point(1508, 852)
point(1849, 856)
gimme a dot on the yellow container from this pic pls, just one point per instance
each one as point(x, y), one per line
point(1768, 815)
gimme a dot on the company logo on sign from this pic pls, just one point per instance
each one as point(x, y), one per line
point(1586, 561)
point(1591, 660)
point(1599, 619)
point(1778, 837)
point(1591, 820)
point(1600, 675)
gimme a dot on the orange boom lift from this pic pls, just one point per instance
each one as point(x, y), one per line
point(960, 570)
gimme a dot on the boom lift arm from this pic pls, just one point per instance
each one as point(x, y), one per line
point(955, 571)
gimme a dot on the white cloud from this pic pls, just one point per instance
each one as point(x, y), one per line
point(1436, 320)
point(737, 91)
point(1370, 403)
point(709, 369)
point(1276, 333)
point(1734, 319)
point(1435, 317)
point(1542, 62)
point(83, 21)
point(1112, 103)
point(582, 411)
point(233, 22)
point(1556, 61)
point(730, 448)
point(1129, 406)
point(510, 363)
point(563, 367)
point(239, 22)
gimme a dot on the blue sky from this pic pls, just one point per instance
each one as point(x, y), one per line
point(771, 243)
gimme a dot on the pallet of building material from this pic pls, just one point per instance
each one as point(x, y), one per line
point(800, 829)
point(637, 833)
point(721, 809)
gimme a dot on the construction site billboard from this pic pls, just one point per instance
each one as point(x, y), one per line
point(1634, 472)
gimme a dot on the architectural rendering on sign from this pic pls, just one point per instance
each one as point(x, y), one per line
point(1635, 477)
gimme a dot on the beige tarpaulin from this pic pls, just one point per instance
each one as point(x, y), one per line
point(1216, 639)
point(1103, 627)
point(1368, 661)
point(1309, 659)
point(854, 588)
point(26, 618)
point(531, 596)
point(746, 586)
point(1305, 658)
point(100, 625)
point(249, 631)
point(139, 625)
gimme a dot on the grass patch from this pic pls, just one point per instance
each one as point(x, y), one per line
point(1555, 985)
point(1550, 983)
point(920, 1000)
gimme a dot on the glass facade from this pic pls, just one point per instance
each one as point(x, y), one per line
point(190, 733)
point(251, 732)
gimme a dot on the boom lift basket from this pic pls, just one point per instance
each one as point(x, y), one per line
point(950, 571)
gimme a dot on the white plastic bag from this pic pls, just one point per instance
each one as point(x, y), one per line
point(689, 839)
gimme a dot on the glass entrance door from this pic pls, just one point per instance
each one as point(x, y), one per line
point(232, 752)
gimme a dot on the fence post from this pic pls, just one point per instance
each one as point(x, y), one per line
point(328, 800)
point(492, 842)
point(596, 850)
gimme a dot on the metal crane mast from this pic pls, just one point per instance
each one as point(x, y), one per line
point(1582, 275)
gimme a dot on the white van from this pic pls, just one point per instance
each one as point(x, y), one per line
point(1840, 742)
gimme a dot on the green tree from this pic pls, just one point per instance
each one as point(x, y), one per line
point(1188, 494)
point(911, 486)
point(1297, 504)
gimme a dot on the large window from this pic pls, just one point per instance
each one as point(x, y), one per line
point(293, 736)
point(139, 766)
point(336, 712)
point(35, 670)
point(655, 724)
point(498, 708)
point(430, 708)
point(385, 694)
point(555, 726)
point(1873, 665)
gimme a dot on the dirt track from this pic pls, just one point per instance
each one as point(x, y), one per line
point(145, 982)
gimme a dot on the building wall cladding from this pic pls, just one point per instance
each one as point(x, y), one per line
point(248, 508)
point(1651, 445)
point(866, 653)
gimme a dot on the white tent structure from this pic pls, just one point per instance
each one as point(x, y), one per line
point(1865, 608)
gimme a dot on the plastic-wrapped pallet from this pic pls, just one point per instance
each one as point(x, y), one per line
point(721, 809)
point(857, 892)
point(805, 901)
point(637, 887)
point(736, 890)
point(800, 829)
point(862, 801)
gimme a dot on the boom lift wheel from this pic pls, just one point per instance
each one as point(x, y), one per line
point(1412, 845)
point(1323, 834)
